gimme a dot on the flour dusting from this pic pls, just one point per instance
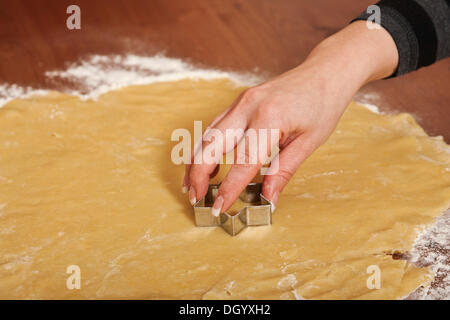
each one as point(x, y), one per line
point(100, 74)
point(432, 249)
point(9, 92)
point(369, 100)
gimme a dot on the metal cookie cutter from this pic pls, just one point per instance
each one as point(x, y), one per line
point(257, 213)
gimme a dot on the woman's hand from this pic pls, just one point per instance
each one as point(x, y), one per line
point(304, 104)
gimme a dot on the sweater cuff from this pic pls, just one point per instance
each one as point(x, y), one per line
point(404, 38)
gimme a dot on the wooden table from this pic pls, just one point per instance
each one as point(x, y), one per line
point(244, 35)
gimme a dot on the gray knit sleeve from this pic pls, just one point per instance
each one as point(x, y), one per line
point(420, 29)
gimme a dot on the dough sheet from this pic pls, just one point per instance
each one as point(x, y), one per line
point(92, 184)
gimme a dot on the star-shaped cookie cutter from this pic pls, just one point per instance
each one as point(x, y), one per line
point(257, 213)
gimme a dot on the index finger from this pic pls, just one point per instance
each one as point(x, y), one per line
point(226, 133)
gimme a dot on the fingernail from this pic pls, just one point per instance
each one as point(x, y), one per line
point(274, 200)
point(184, 189)
point(218, 204)
point(192, 195)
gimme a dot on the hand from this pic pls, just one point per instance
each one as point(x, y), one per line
point(305, 104)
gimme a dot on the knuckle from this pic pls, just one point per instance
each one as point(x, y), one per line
point(244, 155)
point(284, 175)
point(267, 112)
point(251, 95)
point(245, 166)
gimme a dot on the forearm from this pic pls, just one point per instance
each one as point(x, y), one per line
point(363, 54)
point(346, 61)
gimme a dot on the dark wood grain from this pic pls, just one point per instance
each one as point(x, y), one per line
point(266, 35)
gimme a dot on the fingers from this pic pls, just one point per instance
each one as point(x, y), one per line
point(186, 180)
point(235, 182)
point(252, 152)
point(289, 159)
point(220, 139)
point(185, 185)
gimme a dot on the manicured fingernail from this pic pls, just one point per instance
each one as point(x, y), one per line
point(274, 200)
point(218, 204)
point(192, 195)
point(184, 189)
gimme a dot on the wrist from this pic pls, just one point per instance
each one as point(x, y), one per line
point(353, 57)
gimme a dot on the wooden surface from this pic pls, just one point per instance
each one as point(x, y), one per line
point(269, 36)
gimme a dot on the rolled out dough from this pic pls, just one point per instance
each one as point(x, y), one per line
point(91, 183)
